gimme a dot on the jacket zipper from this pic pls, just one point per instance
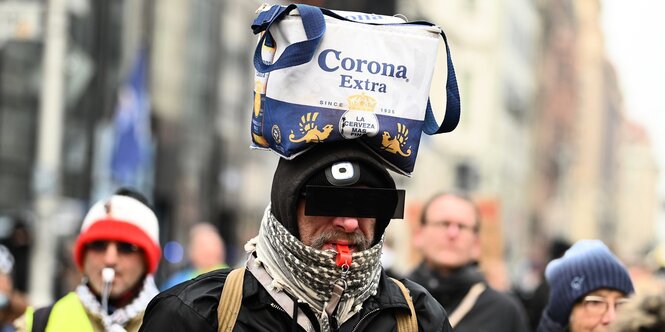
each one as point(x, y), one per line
point(355, 328)
point(363, 318)
point(278, 308)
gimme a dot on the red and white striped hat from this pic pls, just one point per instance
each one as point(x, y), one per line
point(121, 218)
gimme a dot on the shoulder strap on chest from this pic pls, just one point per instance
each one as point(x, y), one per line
point(229, 302)
point(406, 323)
point(467, 303)
point(40, 319)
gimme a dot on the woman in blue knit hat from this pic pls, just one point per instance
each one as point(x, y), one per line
point(587, 287)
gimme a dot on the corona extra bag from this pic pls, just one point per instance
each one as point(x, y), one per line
point(324, 76)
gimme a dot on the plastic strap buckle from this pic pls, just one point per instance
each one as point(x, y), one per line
point(263, 20)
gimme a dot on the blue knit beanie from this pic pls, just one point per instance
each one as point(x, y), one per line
point(587, 266)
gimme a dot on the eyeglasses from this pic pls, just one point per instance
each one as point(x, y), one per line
point(445, 225)
point(123, 247)
point(598, 305)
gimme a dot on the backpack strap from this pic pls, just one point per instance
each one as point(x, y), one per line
point(406, 323)
point(229, 302)
point(40, 318)
point(467, 303)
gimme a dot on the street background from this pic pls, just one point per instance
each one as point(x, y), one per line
point(561, 134)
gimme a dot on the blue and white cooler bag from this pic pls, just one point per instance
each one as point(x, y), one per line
point(324, 76)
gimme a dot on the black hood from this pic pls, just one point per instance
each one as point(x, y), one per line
point(292, 175)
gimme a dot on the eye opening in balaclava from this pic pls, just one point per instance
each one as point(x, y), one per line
point(354, 165)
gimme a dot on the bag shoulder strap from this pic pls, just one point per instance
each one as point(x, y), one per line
point(467, 303)
point(40, 318)
point(229, 302)
point(295, 54)
point(406, 323)
point(452, 115)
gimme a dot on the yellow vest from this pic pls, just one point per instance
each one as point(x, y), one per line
point(67, 314)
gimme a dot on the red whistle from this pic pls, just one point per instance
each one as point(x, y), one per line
point(343, 255)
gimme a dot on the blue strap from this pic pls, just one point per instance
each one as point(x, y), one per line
point(451, 119)
point(296, 53)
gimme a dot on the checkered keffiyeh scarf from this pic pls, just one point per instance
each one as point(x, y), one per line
point(309, 274)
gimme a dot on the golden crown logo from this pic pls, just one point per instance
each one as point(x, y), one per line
point(361, 102)
point(310, 130)
point(395, 144)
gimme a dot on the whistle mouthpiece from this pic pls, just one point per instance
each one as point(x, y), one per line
point(108, 274)
point(343, 257)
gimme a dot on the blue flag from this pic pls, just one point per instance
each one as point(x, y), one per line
point(131, 148)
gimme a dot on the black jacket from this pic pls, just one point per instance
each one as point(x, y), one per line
point(192, 306)
point(493, 311)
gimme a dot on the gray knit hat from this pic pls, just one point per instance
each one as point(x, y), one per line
point(587, 266)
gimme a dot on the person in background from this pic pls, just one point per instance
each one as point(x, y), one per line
point(534, 300)
point(645, 313)
point(315, 264)
point(117, 251)
point(12, 303)
point(449, 241)
point(587, 287)
point(206, 253)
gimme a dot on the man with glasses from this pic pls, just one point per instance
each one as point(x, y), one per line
point(449, 241)
point(588, 285)
point(117, 252)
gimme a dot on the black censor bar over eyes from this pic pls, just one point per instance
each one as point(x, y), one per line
point(379, 203)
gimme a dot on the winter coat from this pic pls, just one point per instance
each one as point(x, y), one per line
point(192, 306)
point(493, 311)
point(546, 324)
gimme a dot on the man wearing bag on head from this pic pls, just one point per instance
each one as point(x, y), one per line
point(117, 252)
point(315, 264)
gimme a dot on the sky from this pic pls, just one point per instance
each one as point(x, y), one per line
point(635, 44)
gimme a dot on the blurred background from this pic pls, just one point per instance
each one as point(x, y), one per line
point(560, 137)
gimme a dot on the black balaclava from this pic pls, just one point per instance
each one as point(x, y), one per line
point(291, 177)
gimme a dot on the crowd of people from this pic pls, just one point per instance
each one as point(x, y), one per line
point(306, 270)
